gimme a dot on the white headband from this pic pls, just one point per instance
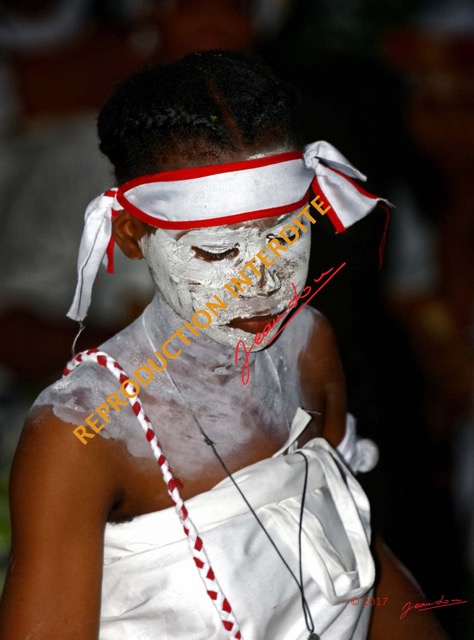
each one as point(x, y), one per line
point(221, 194)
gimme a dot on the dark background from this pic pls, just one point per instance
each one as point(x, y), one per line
point(389, 84)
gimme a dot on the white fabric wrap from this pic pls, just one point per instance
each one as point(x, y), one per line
point(221, 195)
point(151, 588)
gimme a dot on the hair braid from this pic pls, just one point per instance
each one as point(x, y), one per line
point(205, 103)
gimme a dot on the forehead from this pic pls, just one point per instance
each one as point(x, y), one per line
point(262, 224)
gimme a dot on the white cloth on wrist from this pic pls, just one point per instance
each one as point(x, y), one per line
point(359, 454)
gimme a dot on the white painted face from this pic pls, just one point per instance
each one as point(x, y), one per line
point(189, 268)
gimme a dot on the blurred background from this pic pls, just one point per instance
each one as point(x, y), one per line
point(391, 85)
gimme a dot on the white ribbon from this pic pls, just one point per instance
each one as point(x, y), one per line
point(252, 193)
point(322, 150)
point(220, 195)
point(95, 239)
point(348, 203)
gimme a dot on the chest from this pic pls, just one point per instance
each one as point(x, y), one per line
point(237, 418)
point(245, 423)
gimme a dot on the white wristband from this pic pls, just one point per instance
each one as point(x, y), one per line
point(359, 454)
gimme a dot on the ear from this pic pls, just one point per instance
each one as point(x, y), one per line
point(127, 231)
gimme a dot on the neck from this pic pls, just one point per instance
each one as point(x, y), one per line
point(203, 353)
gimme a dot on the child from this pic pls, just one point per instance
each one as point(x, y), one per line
point(260, 530)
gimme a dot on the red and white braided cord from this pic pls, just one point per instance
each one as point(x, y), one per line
point(196, 544)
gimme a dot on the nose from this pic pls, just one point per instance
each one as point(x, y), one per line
point(266, 285)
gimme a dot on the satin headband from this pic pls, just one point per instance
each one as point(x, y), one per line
point(221, 194)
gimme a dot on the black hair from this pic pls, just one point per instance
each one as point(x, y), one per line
point(197, 107)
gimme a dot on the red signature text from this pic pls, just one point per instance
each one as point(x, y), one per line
point(424, 606)
point(292, 304)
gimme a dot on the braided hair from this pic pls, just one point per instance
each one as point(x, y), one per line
point(197, 107)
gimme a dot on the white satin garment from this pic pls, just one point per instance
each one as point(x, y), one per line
point(152, 590)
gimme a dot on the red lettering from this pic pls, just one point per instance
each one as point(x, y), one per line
point(246, 368)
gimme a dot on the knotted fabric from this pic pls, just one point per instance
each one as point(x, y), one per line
point(221, 194)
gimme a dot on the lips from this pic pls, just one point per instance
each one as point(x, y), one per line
point(252, 325)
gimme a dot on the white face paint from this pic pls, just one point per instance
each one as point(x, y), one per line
point(188, 269)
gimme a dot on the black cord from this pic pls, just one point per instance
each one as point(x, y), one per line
point(306, 609)
point(210, 443)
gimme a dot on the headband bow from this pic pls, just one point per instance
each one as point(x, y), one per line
point(221, 194)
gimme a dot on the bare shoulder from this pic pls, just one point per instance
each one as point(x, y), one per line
point(322, 376)
point(321, 354)
point(48, 456)
point(66, 476)
point(92, 402)
point(307, 334)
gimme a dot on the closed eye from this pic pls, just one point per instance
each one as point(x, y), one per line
point(209, 256)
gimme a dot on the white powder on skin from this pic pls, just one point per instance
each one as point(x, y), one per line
point(210, 382)
point(187, 282)
point(206, 374)
point(62, 384)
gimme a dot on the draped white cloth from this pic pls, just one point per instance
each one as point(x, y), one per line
point(151, 588)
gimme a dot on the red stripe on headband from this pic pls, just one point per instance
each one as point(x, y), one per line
point(212, 222)
point(331, 214)
point(110, 247)
point(333, 217)
point(210, 170)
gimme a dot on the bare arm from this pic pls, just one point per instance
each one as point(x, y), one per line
point(396, 584)
point(60, 496)
point(323, 380)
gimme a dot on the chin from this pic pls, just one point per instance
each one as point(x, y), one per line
point(229, 337)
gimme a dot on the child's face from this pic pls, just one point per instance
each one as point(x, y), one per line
point(190, 267)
